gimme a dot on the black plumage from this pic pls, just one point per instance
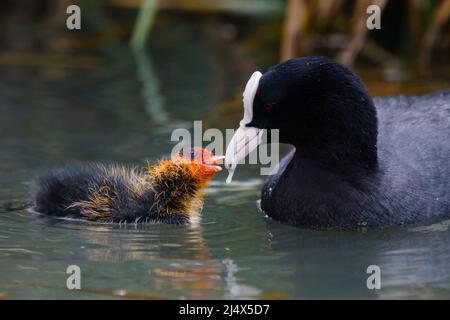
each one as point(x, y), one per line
point(112, 193)
point(356, 161)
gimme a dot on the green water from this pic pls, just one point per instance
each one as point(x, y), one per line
point(124, 111)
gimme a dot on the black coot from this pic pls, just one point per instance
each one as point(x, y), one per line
point(357, 161)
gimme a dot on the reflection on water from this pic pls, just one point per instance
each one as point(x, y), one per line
point(49, 117)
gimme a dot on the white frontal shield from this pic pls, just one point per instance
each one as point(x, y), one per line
point(246, 139)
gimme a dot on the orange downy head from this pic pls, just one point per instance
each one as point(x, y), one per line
point(204, 163)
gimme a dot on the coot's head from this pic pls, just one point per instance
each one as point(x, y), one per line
point(317, 105)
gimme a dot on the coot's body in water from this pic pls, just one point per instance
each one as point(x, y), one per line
point(357, 161)
point(168, 192)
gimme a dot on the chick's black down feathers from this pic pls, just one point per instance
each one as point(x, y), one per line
point(110, 193)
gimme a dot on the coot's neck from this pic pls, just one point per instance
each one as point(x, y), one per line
point(332, 157)
point(344, 135)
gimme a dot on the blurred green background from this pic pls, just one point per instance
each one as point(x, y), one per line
point(409, 53)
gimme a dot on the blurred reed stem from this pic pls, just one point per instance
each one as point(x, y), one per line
point(143, 24)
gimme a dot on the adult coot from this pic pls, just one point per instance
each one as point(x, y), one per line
point(356, 161)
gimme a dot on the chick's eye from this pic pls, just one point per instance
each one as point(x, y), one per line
point(193, 154)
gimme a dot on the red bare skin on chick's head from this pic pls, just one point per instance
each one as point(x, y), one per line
point(202, 161)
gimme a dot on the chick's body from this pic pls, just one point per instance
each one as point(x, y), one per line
point(170, 192)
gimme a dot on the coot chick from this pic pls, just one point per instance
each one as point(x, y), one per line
point(356, 161)
point(169, 192)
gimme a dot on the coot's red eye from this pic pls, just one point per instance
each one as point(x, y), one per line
point(268, 105)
